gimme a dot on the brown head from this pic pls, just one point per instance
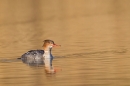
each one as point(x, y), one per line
point(49, 43)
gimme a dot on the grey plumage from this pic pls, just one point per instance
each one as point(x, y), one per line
point(33, 57)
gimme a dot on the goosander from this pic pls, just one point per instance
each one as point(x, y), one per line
point(36, 57)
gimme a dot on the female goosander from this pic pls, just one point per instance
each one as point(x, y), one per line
point(41, 56)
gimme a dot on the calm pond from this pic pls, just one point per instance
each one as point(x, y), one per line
point(93, 34)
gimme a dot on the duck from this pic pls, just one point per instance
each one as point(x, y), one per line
point(40, 57)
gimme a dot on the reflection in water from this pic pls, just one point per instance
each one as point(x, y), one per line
point(94, 35)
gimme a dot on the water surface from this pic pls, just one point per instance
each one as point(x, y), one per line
point(94, 35)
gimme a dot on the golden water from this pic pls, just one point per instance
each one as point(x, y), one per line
point(94, 37)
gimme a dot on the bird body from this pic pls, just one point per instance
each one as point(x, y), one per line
point(33, 57)
point(38, 57)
